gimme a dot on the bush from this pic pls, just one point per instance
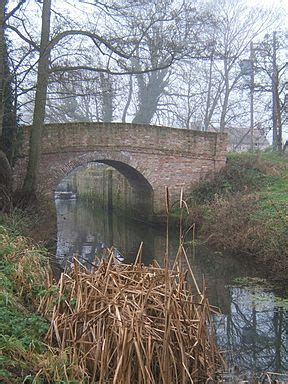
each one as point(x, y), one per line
point(241, 174)
point(244, 209)
point(23, 270)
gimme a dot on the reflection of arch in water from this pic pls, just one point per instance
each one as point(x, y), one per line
point(86, 230)
point(141, 202)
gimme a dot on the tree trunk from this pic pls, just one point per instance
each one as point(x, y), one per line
point(30, 182)
point(149, 95)
point(8, 110)
point(5, 183)
point(129, 98)
point(2, 64)
point(107, 97)
point(225, 97)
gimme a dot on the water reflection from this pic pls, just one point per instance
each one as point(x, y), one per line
point(85, 231)
point(254, 331)
point(252, 328)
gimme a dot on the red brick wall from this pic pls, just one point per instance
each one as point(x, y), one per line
point(176, 158)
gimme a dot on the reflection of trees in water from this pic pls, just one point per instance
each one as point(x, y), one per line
point(254, 332)
point(85, 232)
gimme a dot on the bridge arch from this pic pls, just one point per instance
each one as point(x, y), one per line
point(143, 191)
point(141, 186)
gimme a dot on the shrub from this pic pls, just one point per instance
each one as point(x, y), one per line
point(241, 174)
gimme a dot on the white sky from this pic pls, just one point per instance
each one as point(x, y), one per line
point(269, 3)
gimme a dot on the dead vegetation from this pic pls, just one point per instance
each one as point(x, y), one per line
point(133, 324)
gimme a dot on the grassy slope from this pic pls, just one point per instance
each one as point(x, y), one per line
point(245, 209)
point(24, 271)
point(22, 276)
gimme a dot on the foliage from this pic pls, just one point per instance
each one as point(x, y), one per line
point(250, 200)
point(23, 268)
point(16, 223)
point(242, 174)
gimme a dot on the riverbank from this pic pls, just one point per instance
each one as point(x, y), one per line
point(245, 210)
point(249, 194)
point(26, 277)
point(23, 269)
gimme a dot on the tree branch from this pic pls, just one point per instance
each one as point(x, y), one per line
point(110, 72)
point(94, 37)
point(11, 13)
point(28, 41)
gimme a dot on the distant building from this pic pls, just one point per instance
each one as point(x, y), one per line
point(239, 138)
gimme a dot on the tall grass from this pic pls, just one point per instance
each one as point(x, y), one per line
point(134, 324)
point(23, 275)
point(115, 324)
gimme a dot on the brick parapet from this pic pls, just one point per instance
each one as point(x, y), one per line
point(74, 136)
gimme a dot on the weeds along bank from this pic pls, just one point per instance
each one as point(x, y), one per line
point(115, 324)
point(245, 209)
point(23, 270)
point(25, 278)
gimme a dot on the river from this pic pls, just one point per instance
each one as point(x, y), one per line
point(253, 326)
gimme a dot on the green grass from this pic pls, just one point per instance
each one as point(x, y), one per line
point(24, 355)
point(22, 268)
point(276, 193)
point(249, 197)
point(242, 174)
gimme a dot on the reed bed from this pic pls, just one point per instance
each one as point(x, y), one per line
point(134, 324)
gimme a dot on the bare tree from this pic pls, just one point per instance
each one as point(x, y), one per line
point(271, 68)
point(175, 29)
point(117, 51)
point(29, 186)
point(217, 75)
point(183, 33)
point(8, 120)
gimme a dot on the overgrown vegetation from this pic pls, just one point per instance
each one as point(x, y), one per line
point(23, 269)
point(120, 321)
point(115, 323)
point(25, 277)
point(245, 209)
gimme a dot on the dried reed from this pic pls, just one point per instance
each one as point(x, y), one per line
point(134, 324)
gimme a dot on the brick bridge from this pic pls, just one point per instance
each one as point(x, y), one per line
point(150, 157)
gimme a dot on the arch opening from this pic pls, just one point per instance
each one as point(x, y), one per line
point(113, 183)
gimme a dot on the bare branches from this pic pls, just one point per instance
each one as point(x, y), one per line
point(97, 39)
point(24, 38)
point(130, 71)
point(14, 10)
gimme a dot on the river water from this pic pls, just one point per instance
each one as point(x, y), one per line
point(253, 326)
